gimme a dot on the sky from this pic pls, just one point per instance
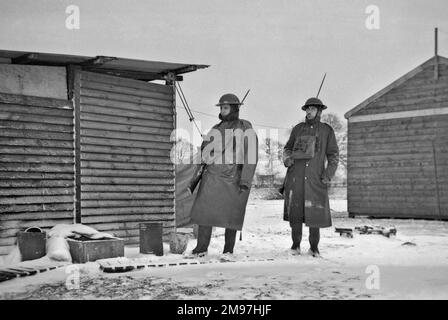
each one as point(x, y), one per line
point(278, 49)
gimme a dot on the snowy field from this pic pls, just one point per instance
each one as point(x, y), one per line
point(412, 265)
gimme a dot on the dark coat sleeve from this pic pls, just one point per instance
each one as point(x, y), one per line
point(332, 152)
point(287, 150)
point(250, 163)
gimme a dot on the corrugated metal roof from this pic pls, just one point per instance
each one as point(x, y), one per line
point(129, 68)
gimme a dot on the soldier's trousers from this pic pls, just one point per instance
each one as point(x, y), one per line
point(205, 235)
point(296, 235)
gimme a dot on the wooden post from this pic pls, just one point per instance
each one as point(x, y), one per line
point(436, 175)
point(170, 80)
point(74, 85)
point(436, 44)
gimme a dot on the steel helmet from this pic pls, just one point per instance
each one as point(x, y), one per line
point(229, 98)
point(314, 102)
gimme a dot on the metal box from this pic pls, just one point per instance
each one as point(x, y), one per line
point(83, 251)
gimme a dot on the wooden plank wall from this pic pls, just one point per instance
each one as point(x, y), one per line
point(127, 176)
point(36, 164)
point(391, 167)
point(419, 92)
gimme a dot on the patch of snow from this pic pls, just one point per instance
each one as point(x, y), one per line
point(13, 257)
point(406, 272)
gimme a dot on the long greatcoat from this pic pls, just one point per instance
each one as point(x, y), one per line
point(306, 196)
point(219, 201)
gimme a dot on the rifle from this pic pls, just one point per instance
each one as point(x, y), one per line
point(200, 171)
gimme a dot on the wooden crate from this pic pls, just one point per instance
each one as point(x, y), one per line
point(83, 251)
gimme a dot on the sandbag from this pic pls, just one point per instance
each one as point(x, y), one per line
point(58, 249)
point(57, 245)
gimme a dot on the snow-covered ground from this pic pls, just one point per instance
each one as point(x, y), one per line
point(418, 269)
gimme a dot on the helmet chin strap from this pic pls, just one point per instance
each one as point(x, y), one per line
point(318, 113)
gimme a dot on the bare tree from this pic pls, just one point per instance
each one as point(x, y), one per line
point(334, 121)
point(340, 130)
point(183, 151)
point(273, 151)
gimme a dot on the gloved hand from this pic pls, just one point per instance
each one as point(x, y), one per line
point(325, 180)
point(289, 162)
point(243, 188)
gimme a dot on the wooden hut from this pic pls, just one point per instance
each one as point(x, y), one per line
point(398, 147)
point(86, 140)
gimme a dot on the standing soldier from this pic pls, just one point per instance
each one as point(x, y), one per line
point(229, 159)
point(307, 179)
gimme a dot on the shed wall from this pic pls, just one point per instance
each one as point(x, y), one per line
point(38, 81)
point(393, 167)
point(398, 166)
point(127, 176)
point(419, 92)
point(36, 164)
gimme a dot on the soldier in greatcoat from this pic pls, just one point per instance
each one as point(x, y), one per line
point(227, 172)
point(310, 145)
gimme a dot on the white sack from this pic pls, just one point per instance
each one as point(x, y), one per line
point(58, 249)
